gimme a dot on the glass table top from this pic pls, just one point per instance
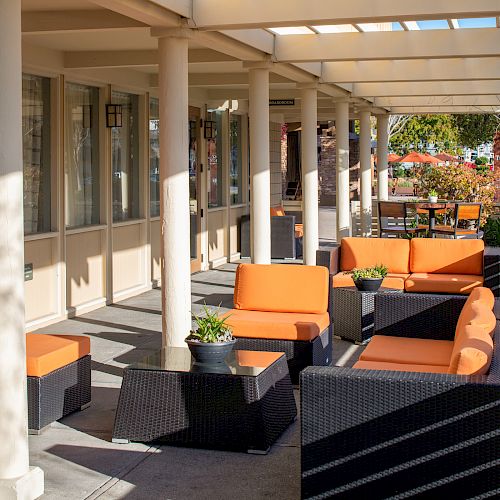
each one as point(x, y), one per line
point(179, 359)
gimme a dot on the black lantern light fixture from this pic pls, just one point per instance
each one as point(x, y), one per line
point(113, 115)
point(210, 129)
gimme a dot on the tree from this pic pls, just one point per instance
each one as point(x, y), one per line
point(474, 130)
point(419, 131)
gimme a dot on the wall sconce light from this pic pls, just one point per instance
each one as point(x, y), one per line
point(113, 115)
point(210, 129)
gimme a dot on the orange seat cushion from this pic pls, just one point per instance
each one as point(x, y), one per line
point(472, 352)
point(366, 252)
point(396, 281)
point(277, 325)
point(281, 288)
point(46, 353)
point(400, 367)
point(299, 230)
point(443, 283)
point(258, 359)
point(444, 256)
point(277, 211)
point(408, 351)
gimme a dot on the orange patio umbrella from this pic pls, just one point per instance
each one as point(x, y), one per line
point(391, 158)
point(415, 157)
point(446, 157)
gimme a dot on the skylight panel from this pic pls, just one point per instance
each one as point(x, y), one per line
point(335, 28)
point(441, 24)
point(292, 30)
point(369, 27)
point(479, 22)
point(410, 25)
point(397, 27)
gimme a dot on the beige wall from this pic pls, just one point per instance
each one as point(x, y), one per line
point(155, 250)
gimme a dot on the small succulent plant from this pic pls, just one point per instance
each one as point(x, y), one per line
point(433, 192)
point(211, 328)
point(379, 271)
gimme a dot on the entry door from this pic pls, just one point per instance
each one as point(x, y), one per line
point(194, 187)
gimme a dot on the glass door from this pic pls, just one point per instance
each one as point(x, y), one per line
point(194, 188)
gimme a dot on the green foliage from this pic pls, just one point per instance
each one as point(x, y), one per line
point(211, 328)
point(378, 271)
point(492, 232)
point(433, 192)
point(461, 183)
point(474, 130)
point(398, 171)
point(418, 131)
point(481, 160)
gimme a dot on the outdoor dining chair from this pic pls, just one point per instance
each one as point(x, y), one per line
point(394, 218)
point(465, 222)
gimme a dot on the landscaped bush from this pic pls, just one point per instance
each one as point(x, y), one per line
point(492, 232)
point(461, 183)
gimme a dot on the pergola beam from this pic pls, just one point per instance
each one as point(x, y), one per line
point(412, 71)
point(228, 14)
point(389, 89)
point(384, 45)
point(434, 101)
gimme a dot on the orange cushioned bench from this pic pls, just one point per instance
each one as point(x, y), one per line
point(58, 369)
point(283, 308)
point(470, 352)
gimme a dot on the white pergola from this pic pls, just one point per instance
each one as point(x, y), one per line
point(338, 60)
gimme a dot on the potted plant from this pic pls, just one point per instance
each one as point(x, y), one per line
point(368, 279)
point(433, 196)
point(212, 340)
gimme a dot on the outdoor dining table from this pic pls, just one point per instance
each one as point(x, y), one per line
point(432, 208)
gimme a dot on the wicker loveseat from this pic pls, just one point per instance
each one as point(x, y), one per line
point(283, 308)
point(396, 431)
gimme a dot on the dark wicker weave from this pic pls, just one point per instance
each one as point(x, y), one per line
point(387, 434)
point(354, 312)
point(242, 413)
point(299, 353)
point(59, 393)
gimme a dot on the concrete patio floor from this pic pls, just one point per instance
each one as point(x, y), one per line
point(81, 462)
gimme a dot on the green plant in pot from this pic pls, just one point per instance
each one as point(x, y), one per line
point(433, 196)
point(212, 340)
point(368, 279)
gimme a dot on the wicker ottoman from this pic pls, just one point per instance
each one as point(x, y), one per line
point(58, 368)
point(241, 405)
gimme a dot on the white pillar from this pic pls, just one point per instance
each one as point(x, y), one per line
point(365, 160)
point(309, 157)
point(17, 479)
point(342, 160)
point(260, 173)
point(382, 157)
point(174, 190)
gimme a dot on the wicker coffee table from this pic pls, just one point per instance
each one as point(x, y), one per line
point(354, 312)
point(242, 405)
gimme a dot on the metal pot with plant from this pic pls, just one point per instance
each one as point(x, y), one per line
point(212, 340)
point(433, 196)
point(368, 279)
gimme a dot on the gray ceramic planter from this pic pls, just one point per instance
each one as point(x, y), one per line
point(205, 352)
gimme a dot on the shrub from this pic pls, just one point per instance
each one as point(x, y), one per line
point(492, 232)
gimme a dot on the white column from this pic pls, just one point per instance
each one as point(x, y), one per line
point(382, 157)
point(309, 156)
point(365, 173)
point(342, 160)
point(260, 174)
point(174, 190)
point(17, 479)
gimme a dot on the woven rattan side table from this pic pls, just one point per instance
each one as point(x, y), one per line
point(354, 312)
point(242, 405)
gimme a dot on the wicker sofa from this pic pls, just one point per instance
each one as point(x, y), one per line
point(399, 432)
point(283, 308)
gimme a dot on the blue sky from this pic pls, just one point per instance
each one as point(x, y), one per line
point(487, 22)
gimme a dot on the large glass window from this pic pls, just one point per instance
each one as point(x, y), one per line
point(125, 158)
point(81, 155)
point(36, 154)
point(236, 163)
point(215, 162)
point(154, 157)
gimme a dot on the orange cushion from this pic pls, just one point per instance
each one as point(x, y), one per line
point(396, 281)
point(277, 325)
point(472, 353)
point(277, 211)
point(299, 230)
point(365, 252)
point(281, 288)
point(438, 255)
point(408, 350)
point(46, 353)
point(483, 294)
point(443, 283)
point(259, 359)
point(400, 367)
point(476, 313)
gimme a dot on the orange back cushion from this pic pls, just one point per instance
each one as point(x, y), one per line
point(476, 314)
point(446, 256)
point(472, 353)
point(281, 288)
point(277, 211)
point(484, 295)
point(367, 252)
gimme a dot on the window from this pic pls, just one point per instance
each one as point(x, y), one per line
point(36, 154)
point(154, 157)
point(236, 164)
point(215, 162)
point(81, 155)
point(125, 159)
